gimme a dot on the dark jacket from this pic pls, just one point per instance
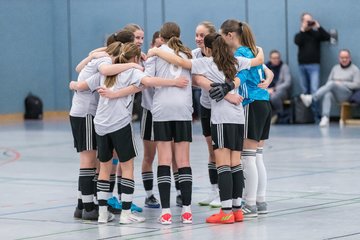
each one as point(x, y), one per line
point(309, 45)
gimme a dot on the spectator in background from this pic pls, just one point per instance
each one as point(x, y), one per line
point(279, 89)
point(156, 40)
point(343, 79)
point(308, 40)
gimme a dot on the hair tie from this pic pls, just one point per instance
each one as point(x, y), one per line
point(218, 35)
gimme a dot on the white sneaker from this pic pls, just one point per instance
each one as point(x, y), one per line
point(215, 203)
point(128, 218)
point(324, 122)
point(105, 216)
point(306, 99)
point(208, 199)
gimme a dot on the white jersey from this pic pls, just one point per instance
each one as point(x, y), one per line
point(170, 103)
point(147, 93)
point(114, 114)
point(204, 97)
point(222, 111)
point(85, 102)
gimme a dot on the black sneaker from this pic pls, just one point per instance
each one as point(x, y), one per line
point(179, 201)
point(91, 215)
point(152, 202)
point(78, 213)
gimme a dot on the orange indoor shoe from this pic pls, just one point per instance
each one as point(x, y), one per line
point(221, 217)
point(238, 215)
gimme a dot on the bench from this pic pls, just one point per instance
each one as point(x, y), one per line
point(345, 114)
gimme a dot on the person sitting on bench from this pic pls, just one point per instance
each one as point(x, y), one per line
point(344, 78)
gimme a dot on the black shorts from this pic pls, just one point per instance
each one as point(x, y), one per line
point(146, 126)
point(205, 121)
point(121, 140)
point(257, 120)
point(177, 131)
point(83, 132)
point(227, 135)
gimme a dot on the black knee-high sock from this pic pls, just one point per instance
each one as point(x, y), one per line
point(119, 186)
point(112, 182)
point(103, 192)
point(226, 187)
point(87, 187)
point(127, 188)
point(95, 184)
point(176, 180)
point(164, 185)
point(148, 178)
point(238, 185)
point(185, 184)
point(80, 204)
point(213, 173)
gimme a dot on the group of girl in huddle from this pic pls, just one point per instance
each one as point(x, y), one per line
point(235, 117)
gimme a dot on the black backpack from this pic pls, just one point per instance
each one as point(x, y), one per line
point(33, 107)
point(301, 113)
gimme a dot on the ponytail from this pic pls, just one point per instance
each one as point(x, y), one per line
point(176, 44)
point(111, 80)
point(113, 49)
point(222, 55)
point(247, 38)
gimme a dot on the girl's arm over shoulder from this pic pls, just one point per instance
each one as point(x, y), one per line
point(108, 93)
point(170, 57)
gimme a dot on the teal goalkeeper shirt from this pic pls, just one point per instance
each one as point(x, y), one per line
point(250, 79)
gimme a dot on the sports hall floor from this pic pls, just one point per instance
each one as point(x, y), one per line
point(313, 188)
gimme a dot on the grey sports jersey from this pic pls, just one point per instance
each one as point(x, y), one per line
point(204, 98)
point(147, 93)
point(222, 111)
point(170, 103)
point(114, 114)
point(85, 102)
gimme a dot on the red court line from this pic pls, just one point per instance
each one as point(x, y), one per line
point(16, 156)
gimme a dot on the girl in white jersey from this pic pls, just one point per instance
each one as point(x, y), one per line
point(114, 205)
point(213, 200)
point(257, 107)
point(113, 130)
point(227, 121)
point(172, 116)
point(82, 112)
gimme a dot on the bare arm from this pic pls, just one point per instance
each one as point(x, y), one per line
point(269, 75)
point(97, 53)
point(259, 59)
point(108, 93)
point(170, 57)
point(78, 86)
point(113, 69)
point(180, 82)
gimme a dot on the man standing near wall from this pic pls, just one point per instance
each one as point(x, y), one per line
point(308, 40)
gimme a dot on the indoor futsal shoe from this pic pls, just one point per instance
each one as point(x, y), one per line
point(77, 213)
point(179, 201)
point(221, 217)
point(238, 215)
point(186, 217)
point(261, 207)
point(249, 211)
point(165, 219)
point(90, 215)
point(114, 206)
point(127, 217)
point(152, 202)
point(105, 217)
